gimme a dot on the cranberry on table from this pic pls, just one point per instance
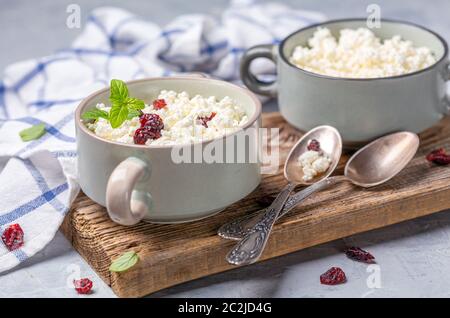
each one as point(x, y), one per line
point(12, 237)
point(83, 286)
point(333, 276)
point(360, 255)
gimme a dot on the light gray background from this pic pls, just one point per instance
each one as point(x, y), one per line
point(414, 257)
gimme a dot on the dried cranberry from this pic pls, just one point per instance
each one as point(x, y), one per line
point(83, 286)
point(159, 103)
point(205, 119)
point(13, 237)
point(360, 255)
point(141, 135)
point(314, 145)
point(333, 276)
point(152, 121)
point(439, 157)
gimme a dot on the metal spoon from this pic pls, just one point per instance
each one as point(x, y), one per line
point(250, 248)
point(372, 165)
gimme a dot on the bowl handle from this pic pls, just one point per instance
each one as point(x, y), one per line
point(125, 204)
point(250, 80)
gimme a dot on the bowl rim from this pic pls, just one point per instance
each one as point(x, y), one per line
point(395, 21)
point(256, 115)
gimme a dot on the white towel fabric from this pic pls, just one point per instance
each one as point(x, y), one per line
point(38, 181)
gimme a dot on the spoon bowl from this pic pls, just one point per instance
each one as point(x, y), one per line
point(330, 144)
point(382, 159)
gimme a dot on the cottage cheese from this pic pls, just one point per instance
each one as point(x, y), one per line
point(360, 54)
point(180, 118)
point(313, 163)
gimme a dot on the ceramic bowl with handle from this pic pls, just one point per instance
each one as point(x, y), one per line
point(138, 182)
point(361, 109)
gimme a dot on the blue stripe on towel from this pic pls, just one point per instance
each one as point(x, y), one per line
point(32, 205)
point(20, 255)
point(49, 103)
point(43, 186)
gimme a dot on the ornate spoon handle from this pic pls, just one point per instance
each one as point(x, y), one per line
point(250, 248)
point(237, 229)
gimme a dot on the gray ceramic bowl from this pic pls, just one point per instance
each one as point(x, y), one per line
point(361, 109)
point(139, 182)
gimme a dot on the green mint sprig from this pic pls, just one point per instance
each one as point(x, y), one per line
point(123, 106)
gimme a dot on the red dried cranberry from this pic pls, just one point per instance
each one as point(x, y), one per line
point(141, 135)
point(159, 103)
point(314, 145)
point(83, 286)
point(360, 255)
point(439, 157)
point(152, 121)
point(333, 276)
point(205, 119)
point(13, 237)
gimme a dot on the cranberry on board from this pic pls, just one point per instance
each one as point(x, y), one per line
point(439, 157)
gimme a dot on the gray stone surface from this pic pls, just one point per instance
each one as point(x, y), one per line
point(413, 257)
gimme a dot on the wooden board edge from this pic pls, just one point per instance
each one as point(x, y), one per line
point(83, 245)
point(212, 262)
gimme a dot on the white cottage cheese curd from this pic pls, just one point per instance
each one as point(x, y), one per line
point(360, 54)
point(180, 117)
point(313, 163)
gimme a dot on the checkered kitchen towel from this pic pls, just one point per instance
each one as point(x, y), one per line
point(38, 179)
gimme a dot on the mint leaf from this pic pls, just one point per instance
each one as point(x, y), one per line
point(135, 103)
point(118, 114)
point(118, 91)
point(124, 262)
point(133, 113)
point(94, 114)
point(32, 133)
point(123, 107)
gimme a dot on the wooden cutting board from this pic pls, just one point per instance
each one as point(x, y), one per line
point(173, 254)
